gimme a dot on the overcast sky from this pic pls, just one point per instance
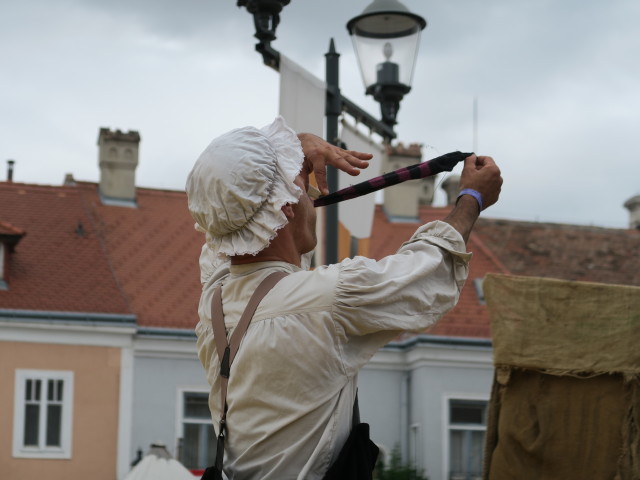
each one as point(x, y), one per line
point(557, 82)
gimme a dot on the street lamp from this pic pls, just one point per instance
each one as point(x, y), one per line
point(386, 39)
point(266, 17)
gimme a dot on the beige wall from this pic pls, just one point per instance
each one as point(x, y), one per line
point(344, 243)
point(95, 410)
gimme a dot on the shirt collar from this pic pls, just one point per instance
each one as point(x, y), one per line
point(249, 268)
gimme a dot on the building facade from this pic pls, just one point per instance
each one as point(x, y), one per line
point(99, 287)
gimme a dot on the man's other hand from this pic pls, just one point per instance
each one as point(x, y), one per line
point(483, 175)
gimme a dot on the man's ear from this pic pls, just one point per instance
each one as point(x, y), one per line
point(288, 211)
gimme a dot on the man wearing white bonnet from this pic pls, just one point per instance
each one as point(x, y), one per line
point(293, 382)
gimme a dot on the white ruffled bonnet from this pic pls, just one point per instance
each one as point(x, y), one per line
point(239, 184)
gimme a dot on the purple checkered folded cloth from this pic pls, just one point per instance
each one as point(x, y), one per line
point(444, 163)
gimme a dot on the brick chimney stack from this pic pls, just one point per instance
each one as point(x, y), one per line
point(633, 205)
point(118, 159)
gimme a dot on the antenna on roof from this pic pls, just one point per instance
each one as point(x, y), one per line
point(475, 124)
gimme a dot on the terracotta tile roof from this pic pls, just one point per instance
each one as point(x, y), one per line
point(470, 317)
point(569, 252)
point(82, 256)
point(48, 270)
point(154, 252)
point(79, 255)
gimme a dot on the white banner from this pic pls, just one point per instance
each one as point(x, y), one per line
point(302, 103)
point(357, 214)
point(302, 98)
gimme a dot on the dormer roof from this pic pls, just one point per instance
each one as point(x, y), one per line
point(10, 235)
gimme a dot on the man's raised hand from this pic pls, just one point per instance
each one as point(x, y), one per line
point(319, 153)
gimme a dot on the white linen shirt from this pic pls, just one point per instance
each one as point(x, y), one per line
point(292, 383)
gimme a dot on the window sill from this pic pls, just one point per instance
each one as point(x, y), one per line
point(51, 454)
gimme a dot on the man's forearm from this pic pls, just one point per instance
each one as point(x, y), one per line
point(480, 185)
point(464, 216)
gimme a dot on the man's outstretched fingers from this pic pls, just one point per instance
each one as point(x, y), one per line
point(319, 153)
point(321, 180)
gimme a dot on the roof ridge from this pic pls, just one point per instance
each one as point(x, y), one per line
point(86, 183)
point(555, 225)
point(157, 191)
point(152, 190)
point(39, 186)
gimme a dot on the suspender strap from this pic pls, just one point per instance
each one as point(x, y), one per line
point(227, 349)
point(217, 320)
point(355, 418)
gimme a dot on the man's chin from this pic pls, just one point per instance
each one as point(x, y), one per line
point(311, 248)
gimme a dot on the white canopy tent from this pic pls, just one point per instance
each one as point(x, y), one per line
point(159, 465)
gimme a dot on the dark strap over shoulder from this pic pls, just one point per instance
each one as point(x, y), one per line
point(227, 350)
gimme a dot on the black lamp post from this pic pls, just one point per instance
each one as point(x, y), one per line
point(385, 37)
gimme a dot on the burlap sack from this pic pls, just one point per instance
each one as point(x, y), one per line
point(565, 402)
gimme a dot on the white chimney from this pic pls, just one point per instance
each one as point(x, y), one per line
point(633, 205)
point(451, 186)
point(401, 201)
point(118, 159)
point(427, 190)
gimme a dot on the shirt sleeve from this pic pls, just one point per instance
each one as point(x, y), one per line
point(408, 291)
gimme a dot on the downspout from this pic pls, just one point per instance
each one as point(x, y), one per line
point(405, 416)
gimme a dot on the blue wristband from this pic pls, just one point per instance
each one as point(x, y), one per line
point(474, 193)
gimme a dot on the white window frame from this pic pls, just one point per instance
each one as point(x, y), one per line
point(447, 426)
point(180, 418)
point(42, 451)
